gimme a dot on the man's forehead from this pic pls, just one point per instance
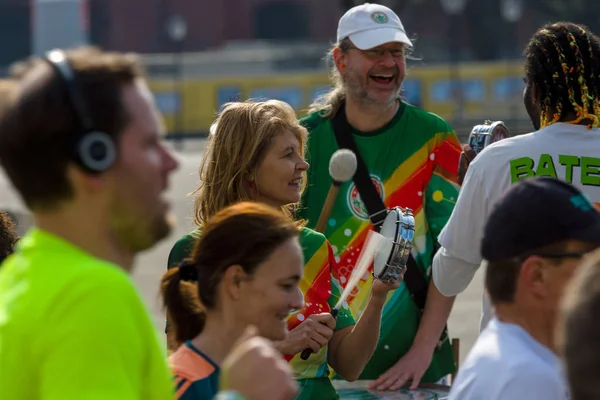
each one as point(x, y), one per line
point(389, 45)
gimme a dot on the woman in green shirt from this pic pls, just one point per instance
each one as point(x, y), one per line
point(257, 153)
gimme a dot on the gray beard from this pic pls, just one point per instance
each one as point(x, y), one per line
point(361, 96)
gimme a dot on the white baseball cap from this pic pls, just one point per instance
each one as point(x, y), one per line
point(371, 25)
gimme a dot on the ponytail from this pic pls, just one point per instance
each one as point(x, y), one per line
point(185, 312)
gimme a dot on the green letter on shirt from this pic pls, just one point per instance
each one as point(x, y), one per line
point(590, 174)
point(546, 166)
point(569, 162)
point(521, 168)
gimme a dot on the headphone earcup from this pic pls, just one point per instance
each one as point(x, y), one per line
point(96, 151)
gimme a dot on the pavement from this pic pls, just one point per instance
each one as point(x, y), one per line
point(150, 265)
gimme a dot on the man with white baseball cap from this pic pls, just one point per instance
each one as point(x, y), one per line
point(411, 157)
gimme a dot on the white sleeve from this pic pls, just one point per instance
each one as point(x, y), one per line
point(517, 384)
point(451, 275)
point(461, 236)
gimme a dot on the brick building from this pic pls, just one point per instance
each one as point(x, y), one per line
point(140, 25)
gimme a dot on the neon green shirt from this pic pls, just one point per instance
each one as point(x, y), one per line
point(74, 327)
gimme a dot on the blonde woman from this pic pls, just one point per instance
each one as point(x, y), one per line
point(257, 153)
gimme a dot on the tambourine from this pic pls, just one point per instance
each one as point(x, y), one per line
point(483, 135)
point(399, 229)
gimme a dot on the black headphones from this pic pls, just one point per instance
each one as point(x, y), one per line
point(95, 151)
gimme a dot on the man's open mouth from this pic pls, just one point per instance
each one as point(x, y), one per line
point(382, 78)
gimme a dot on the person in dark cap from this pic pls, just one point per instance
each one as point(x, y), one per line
point(578, 330)
point(533, 242)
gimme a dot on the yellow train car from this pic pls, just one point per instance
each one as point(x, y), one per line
point(488, 91)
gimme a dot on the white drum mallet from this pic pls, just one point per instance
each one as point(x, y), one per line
point(373, 244)
point(342, 167)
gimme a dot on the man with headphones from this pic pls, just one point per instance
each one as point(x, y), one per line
point(80, 142)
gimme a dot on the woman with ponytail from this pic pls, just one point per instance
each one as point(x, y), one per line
point(244, 270)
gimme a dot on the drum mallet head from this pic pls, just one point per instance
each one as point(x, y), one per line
point(342, 166)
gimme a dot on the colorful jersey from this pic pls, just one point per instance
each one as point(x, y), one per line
point(413, 162)
point(196, 376)
point(73, 326)
point(321, 288)
point(182, 249)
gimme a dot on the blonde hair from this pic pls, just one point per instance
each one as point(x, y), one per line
point(328, 104)
point(243, 133)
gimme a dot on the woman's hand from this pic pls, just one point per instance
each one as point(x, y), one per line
point(313, 333)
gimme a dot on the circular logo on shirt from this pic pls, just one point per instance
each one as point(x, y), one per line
point(355, 203)
point(379, 17)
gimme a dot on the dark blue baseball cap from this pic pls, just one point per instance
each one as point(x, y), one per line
point(538, 212)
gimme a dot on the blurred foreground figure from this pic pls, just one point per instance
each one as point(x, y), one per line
point(579, 330)
point(533, 243)
point(80, 142)
point(214, 295)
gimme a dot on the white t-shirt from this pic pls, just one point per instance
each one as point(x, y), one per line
point(569, 152)
point(506, 363)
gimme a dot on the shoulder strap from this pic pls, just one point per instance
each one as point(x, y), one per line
point(415, 280)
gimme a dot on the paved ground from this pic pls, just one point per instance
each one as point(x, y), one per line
point(464, 321)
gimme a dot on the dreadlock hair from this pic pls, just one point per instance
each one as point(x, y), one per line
point(562, 61)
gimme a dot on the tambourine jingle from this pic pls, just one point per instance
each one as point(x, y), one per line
point(484, 135)
point(478, 141)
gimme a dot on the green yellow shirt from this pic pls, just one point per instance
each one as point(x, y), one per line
point(413, 162)
point(74, 327)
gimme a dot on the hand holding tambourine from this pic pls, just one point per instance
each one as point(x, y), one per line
point(381, 288)
point(480, 137)
point(467, 155)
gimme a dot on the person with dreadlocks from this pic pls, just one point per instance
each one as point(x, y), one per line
point(562, 98)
